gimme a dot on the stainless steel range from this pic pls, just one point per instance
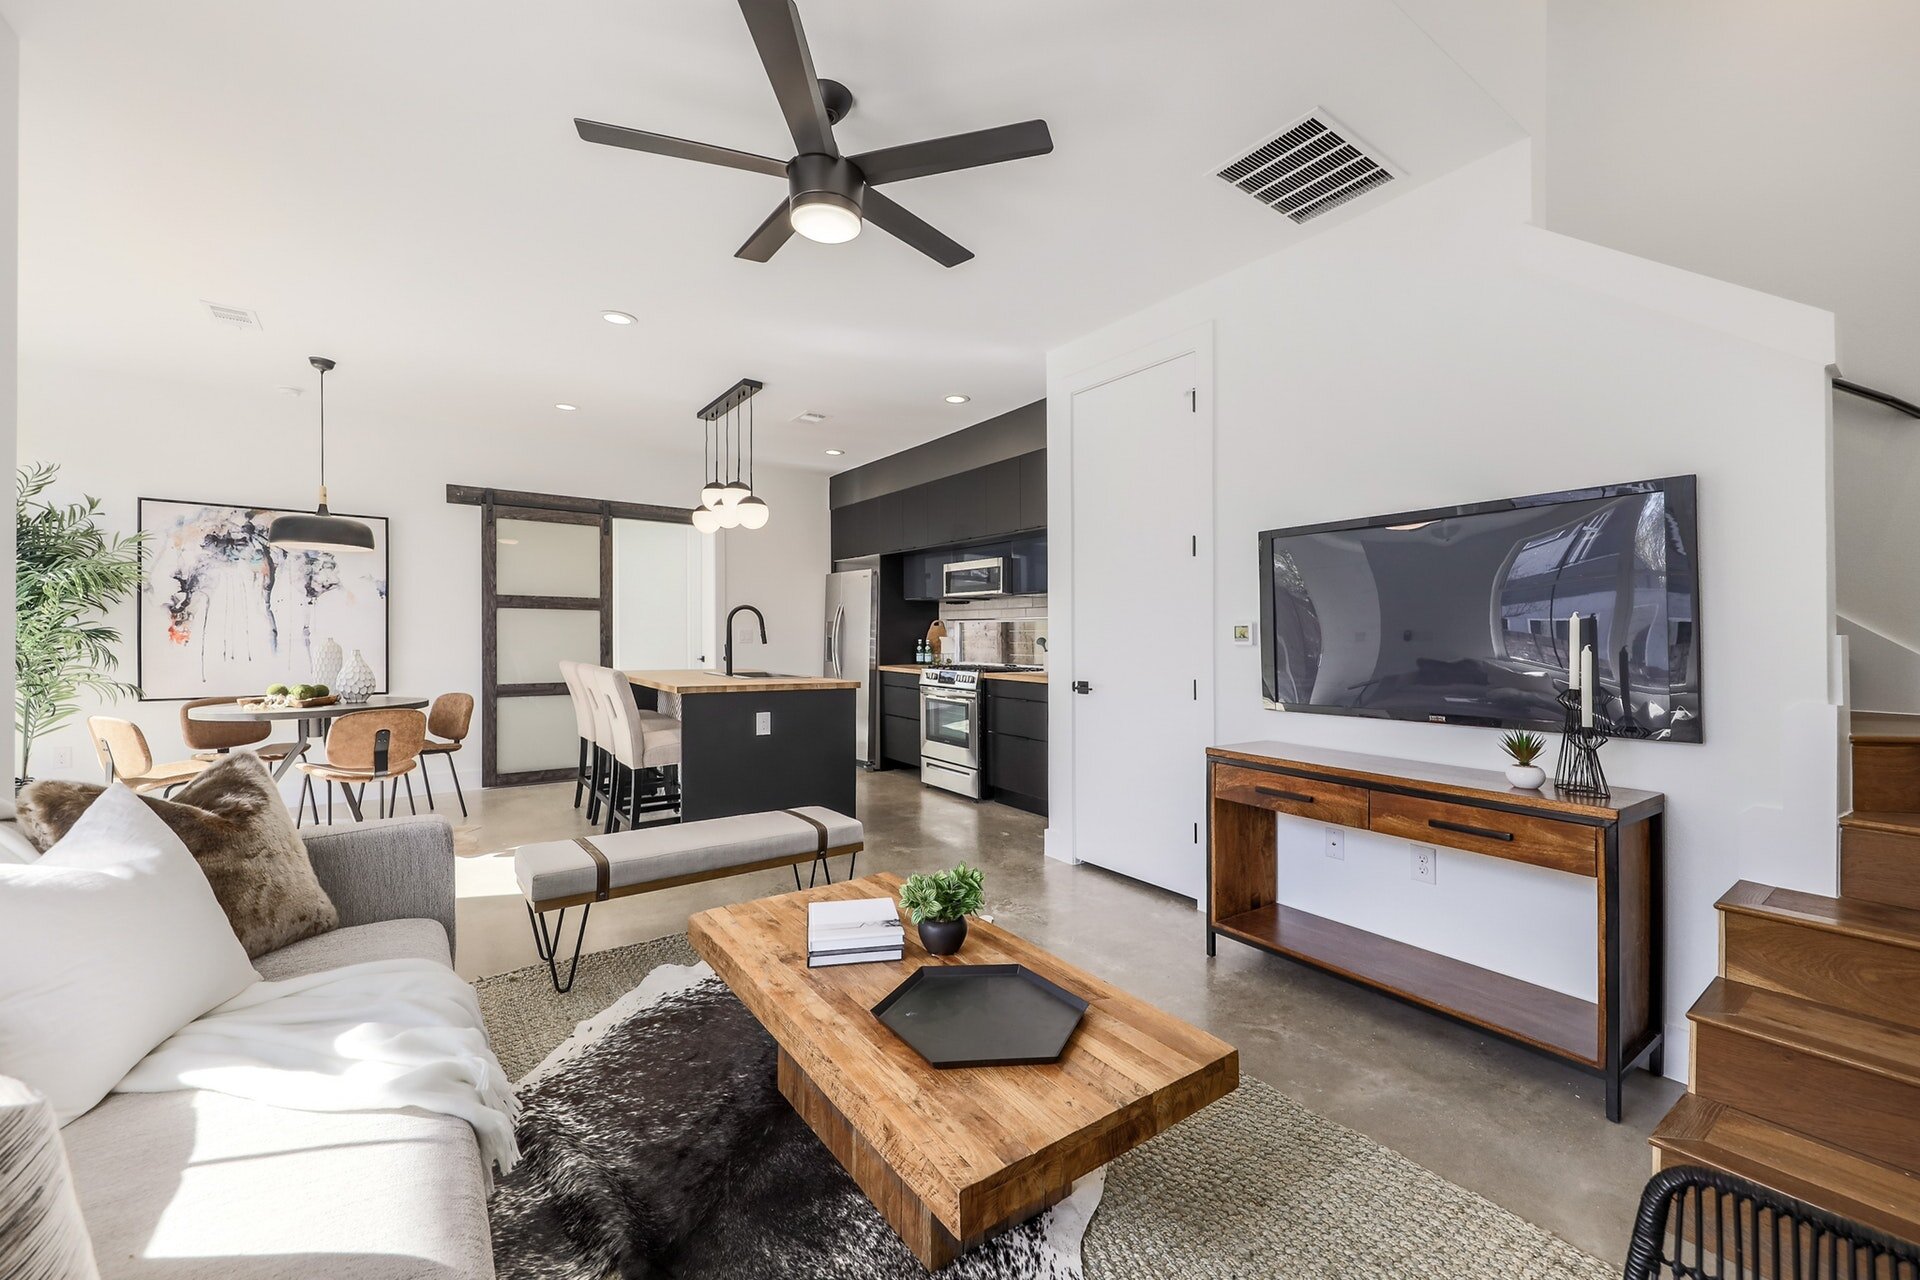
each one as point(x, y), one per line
point(951, 736)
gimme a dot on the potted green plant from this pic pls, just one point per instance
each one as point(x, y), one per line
point(68, 572)
point(1523, 749)
point(940, 904)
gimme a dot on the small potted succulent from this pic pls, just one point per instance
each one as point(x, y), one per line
point(1523, 749)
point(940, 904)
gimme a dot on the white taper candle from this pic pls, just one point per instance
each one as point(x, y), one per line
point(1586, 687)
point(1573, 652)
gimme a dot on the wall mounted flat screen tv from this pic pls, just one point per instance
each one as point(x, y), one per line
point(1459, 615)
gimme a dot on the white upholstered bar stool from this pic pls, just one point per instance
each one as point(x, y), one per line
point(645, 745)
point(585, 776)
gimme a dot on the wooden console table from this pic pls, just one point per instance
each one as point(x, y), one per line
point(1616, 842)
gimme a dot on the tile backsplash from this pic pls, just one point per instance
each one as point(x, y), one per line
point(1018, 641)
point(994, 609)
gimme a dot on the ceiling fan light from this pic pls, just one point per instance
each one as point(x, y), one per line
point(705, 521)
point(754, 513)
point(731, 494)
point(825, 217)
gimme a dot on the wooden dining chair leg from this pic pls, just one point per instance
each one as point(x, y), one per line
point(409, 782)
point(427, 782)
point(457, 793)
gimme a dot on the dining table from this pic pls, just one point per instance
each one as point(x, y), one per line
point(308, 722)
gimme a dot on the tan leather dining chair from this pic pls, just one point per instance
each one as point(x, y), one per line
point(211, 739)
point(449, 721)
point(125, 757)
point(366, 746)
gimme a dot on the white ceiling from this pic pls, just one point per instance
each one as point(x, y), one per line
point(398, 185)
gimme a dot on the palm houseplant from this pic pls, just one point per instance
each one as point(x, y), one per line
point(68, 573)
point(940, 904)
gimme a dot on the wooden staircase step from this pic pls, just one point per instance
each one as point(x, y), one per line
point(1880, 857)
point(1875, 921)
point(1702, 1132)
point(1858, 956)
point(1851, 1079)
point(1886, 772)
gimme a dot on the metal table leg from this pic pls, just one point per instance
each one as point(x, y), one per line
point(299, 748)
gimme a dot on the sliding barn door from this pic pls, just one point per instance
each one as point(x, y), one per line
point(546, 596)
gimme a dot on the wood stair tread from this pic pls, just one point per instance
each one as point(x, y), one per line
point(1883, 726)
point(1851, 1039)
point(1898, 824)
point(1874, 921)
point(1700, 1131)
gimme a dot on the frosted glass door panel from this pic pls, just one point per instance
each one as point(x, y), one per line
point(532, 642)
point(542, 558)
point(536, 733)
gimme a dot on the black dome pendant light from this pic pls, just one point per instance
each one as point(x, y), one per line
point(321, 531)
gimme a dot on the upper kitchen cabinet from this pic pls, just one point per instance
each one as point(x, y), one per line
point(990, 502)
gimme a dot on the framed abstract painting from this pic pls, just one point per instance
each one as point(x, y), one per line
point(222, 613)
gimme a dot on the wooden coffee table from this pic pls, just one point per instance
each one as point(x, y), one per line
point(951, 1157)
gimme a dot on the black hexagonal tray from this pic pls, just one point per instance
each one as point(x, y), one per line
point(982, 1015)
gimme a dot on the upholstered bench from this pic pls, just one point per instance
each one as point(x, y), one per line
point(558, 875)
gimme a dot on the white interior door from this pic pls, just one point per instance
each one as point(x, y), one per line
point(1142, 615)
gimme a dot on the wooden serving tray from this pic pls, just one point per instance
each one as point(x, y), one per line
point(288, 704)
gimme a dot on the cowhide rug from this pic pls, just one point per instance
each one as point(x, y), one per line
point(656, 1144)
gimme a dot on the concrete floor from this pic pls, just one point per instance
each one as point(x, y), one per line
point(1518, 1128)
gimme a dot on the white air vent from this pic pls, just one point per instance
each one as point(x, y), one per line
point(811, 416)
point(1310, 168)
point(231, 317)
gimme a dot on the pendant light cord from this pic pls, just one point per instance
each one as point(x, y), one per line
point(323, 432)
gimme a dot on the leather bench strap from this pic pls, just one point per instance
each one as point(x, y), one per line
point(602, 870)
point(819, 828)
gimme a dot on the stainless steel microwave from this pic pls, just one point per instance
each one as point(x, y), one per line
point(964, 578)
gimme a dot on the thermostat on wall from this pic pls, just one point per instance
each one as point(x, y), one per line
point(1243, 633)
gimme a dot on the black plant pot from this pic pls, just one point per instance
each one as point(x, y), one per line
point(943, 937)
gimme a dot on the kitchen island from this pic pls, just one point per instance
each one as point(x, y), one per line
point(756, 741)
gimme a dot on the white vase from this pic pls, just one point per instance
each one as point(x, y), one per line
point(356, 680)
point(326, 662)
point(1527, 777)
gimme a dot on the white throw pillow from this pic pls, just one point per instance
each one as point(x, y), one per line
point(42, 1236)
point(109, 943)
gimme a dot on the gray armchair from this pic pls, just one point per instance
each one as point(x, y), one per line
point(389, 869)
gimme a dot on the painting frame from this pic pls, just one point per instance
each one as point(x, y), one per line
point(152, 591)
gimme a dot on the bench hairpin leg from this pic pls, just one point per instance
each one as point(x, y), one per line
point(796, 876)
point(820, 864)
point(547, 944)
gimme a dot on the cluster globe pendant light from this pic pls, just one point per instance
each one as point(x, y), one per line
point(730, 503)
point(321, 531)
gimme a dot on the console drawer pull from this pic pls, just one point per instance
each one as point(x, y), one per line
point(1278, 794)
point(1465, 830)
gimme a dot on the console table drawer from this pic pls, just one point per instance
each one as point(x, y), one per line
point(1284, 793)
point(1518, 837)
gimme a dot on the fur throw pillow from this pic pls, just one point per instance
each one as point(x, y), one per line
point(232, 817)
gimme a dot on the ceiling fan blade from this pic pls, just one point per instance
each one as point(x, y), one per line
point(897, 222)
point(960, 151)
point(768, 236)
point(777, 34)
point(660, 144)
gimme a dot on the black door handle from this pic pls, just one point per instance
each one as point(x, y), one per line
point(1081, 686)
point(1465, 830)
point(1278, 794)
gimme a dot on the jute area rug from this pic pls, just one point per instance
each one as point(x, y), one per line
point(1253, 1186)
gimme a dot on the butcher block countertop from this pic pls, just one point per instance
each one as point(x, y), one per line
point(1024, 677)
point(715, 682)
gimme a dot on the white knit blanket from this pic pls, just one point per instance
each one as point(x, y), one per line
point(363, 1037)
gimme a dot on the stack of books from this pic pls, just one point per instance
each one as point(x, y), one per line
point(853, 931)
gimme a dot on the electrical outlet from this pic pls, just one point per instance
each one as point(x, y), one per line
point(60, 757)
point(763, 723)
point(1425, 862)
point(1336, 843)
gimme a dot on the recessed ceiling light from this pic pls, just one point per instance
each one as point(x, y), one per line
point(834, 453)
point(618, 317)
point(958, 399)
point(569, 408)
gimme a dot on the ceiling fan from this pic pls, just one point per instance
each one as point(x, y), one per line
point(829, 195)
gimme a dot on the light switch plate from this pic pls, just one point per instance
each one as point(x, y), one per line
point(762, 723)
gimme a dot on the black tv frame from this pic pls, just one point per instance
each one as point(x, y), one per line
point(1682, 504)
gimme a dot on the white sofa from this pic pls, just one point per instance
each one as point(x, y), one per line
point(186, 1185)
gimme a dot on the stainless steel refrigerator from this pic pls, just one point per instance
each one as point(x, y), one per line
point(853, 612)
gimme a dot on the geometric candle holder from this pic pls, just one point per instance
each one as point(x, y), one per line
point(1579, 771)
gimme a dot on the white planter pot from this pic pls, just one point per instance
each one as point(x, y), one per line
point(1527, 777)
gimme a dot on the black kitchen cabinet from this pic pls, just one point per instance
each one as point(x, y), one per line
point(1016, 746)
point(900, 718)
point(1000, 496)
point(1033, 490)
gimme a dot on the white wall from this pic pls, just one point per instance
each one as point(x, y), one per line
point(121, 438)
point(1441, 350)
point(659, 595)
point(9, 351)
